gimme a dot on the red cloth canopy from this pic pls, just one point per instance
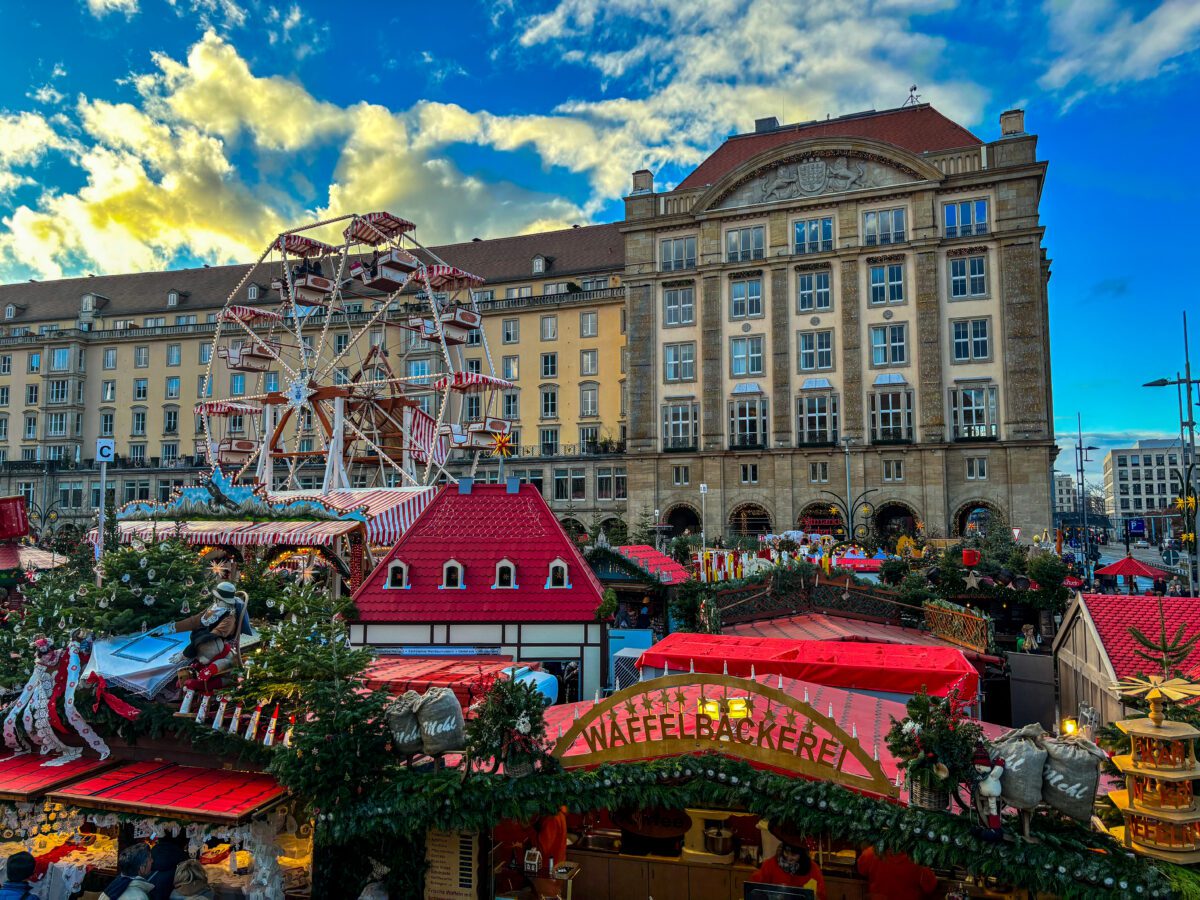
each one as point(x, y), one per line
point(27, 777)
point(467, 676)
point(1131, 567)
point(890, 668)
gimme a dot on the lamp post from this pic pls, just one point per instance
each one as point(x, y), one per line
point(1081, 457)
point(848, 505)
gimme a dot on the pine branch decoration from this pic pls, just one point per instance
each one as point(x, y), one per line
point(1167, 653)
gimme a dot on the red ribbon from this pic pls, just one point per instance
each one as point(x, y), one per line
point(116, 704)
point(60, 686)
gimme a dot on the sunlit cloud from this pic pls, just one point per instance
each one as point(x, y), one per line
point(101, 8)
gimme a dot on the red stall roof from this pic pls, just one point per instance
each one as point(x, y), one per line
point(661, 566)
point(26, 777)
point(467, 676)
point(1112, 615)
point(167, 789)
point(894, 668)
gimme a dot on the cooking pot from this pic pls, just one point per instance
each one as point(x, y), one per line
point(718, 840)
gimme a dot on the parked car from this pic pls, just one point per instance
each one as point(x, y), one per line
point(1172, 544)
point(1142, 544)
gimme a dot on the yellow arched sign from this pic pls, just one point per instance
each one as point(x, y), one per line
point(737, 717)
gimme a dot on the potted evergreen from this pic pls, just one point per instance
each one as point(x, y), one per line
point(935, 743)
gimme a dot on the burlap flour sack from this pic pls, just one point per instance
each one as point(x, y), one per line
point(441, 718)
point(402, 719)
point(1071, 775)
point(1024, 758)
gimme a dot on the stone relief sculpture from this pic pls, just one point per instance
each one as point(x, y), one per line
point(813, 177)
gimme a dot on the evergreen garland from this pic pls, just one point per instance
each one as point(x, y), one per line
point(509, 724)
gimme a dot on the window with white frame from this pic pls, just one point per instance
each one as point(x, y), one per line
point(814, 235)
point(743, 244)
point(549, 328)
point(549, 365)
point(558, 575)
point(510, 368)
point(4, 391)
point(966, 217)
point(539, 265)
point(594, 283)
point(472, 406)
point(168, 453)
point(968, 277)
point(887, 283)
point(141, 357)
point(677, 253)
point(3, 428)
point(31, 426)
point(893, 470)
point(205, 353)
point(512, 405)
point(549, 403)
point(32, 392)
point(749, 473)
point(110, 357)
point(397, 574)
point(976, 468)
point(974, 411)
point(139, 422)
point(555, 287)
point(60, 391)
point(589, 362)
point(452, 574)
point(106, 424)
point(514, 293)
point(679, 306)
point(589, 324)
point(970, 341)
point(817, 418)
point(812, 292)
point(746, 356)
point(35, 362)
point(506, 574)
point(56, 424)
point(510, 331)
point(680, 426)
point(141, 388)
point(237, 384)
point(679, 362)
point(548, 441)
point(891, 416)
point(172, 387)
point(6, 364)
point(818, 472)
point(889, 345)
point(681, 475)
point(745, 298)
point(589, 399)
point(174, 354)
point(60, 359)
point(748, 423)
point(883, 226)
point(816, 350)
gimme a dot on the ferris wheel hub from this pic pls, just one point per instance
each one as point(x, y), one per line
point(298, 391)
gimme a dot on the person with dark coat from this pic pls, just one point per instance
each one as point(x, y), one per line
point(643, 618)
point(16, 880)
point(134, 864)
point(164, 858)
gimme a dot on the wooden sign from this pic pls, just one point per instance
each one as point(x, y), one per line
point(737, 717)
point(451, 858)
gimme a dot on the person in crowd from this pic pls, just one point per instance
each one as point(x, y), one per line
point(894, 876)
point(19, 870)
point(791, 866)
point(191, 881)
point(1029, 641)
point(622, 616)
point(1175, 587)
point(134, 865)
point(164, 859)
point(643, 619)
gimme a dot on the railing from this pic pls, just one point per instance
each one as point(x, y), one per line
point(747, 442)
point(976, 432)
point(886, 435)
point(818, 439)
point(958, 162)
point(958, 626)
point(679, 444)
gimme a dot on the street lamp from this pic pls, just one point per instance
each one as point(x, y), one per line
point(848, 505)
point(1081, 457)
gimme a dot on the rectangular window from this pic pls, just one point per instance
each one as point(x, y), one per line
point(173, 387)
point(747, 424)
point(968, 277)
point(816, 350)
point(578, 484)
point(141, 357)
point(106, 424)
point(174, 354)
point(818, 472)
point(513, 293)
point(893, 470)
point(237, 384)
point(680, 426)
point(595, 283)
point(60, 359)
point(510, 368)
point(4, 428)
point(512, 405)
point(619, 483)
point(56, 425)
point(678, 253)
point(417, 371)
point(108, 391)
point(742, 244)
point(474, 366)
point(589, 400)
point(976, 468)
point(812, 291)
point(204, 386)
point(31, 425)
point(679, 306)
point(549, 365)
point(137, 454)
point(589, 362)
point(679, 362)
point(681, 475)
point(604, 483)
point(35, 362)
point(471, 407)
point(554, 287)
point(589, 324)
point(817, 419)
point(139, 422)
point(60, 392)
point(883, 226)
point(110, 358)
point(966, 218)
point(549, 403)
point(170, 421)
point(205, 353)
point(974, 411)
point(970, 340)
point(6, 364)
point(474, 338)
point(4, 395)
point(548, 439)
point(891, 416)
point(887, 283)
point(745, 299)
point(889, 345)
point(549, 328)
point(510, 331)
point(746, 356)
point(814, 235)
point(749, 473)
point(31, 394)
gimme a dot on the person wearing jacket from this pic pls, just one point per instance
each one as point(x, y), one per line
point(191, 881)
point(134, 865)
point(19, 870)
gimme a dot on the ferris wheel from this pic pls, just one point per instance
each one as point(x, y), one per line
point(306, 378)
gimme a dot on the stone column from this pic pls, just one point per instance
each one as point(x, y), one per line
point(852, 422)
point(642, 376)
point(712, 398)
point(781, 360)
point(931, 396)
point(1023, 326)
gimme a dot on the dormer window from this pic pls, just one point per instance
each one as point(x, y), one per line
point(558, 575)
point(10, 311)
point(173, 298)
point(452, 575)
point(252, 292)
point(397, 575)
point(87, 304)
point(539, 265)
point(506, 574)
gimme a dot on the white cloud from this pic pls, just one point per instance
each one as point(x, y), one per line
point(101, 8)
point(25, 139)
point(293, 28)
point(1100, 43)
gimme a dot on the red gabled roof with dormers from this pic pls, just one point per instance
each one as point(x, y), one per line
point(478, 530)
point(918, 129)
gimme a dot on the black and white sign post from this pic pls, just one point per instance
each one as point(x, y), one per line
point(703, 518)
point(105, 450)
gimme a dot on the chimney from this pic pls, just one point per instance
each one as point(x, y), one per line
point(643, 181)
point(465, 484)
point(770, 123)
point(512, 484)
point(1012, 122)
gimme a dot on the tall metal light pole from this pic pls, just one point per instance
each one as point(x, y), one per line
point(846, 442)
point(1081, 453)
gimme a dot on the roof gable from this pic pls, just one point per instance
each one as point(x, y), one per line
point(918, 129)
point(480, 529)
point(1112, 614)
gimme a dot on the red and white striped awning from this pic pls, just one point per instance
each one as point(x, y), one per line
point(377, 227)
point(226, 408)
point(389, 511)
point(299, 245)
point(423, 437)
point(446, 278)
point(238, 532)
point(247, 314)
point(470, 381)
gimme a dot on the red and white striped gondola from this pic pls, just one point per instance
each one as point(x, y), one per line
point(385, 271)
point(306, 282)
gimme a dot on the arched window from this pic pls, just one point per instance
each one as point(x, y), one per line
point(558, 575)
point(452, 574)
point(397, 574)
point(506, 574)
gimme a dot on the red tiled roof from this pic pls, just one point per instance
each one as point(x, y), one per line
point(158, 788)
point(478, 530)
point(918, 129)
point(658, 564)
point(1114, 613)
point(467, 676)
point(27, 777)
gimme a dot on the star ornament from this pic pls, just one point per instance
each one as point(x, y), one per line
point(502, 445)
point(973, 581)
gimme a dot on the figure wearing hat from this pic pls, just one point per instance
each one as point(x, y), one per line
point(987, 791)
point(215, 636)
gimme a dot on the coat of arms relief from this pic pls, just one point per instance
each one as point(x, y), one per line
point(813, 177)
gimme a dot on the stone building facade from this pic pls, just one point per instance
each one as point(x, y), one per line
point(860, 301)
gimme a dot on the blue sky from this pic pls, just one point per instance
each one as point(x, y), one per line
point(136, 134)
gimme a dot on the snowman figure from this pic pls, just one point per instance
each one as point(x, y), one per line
point(986, 791)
